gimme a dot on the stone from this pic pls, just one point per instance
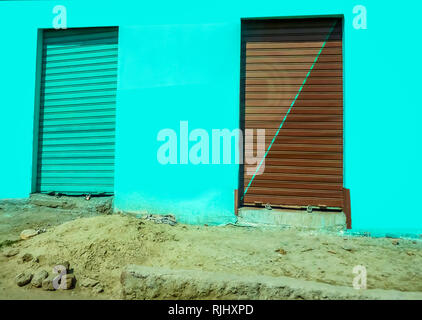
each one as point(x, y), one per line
point(89, 283)
point(98, 289)
point(38, 278)
point(162, 219)
point(28, 233)
point(47, 283)
point(26, 257)
point(105, 208)
point(11, 252)
point(23, 278)
point(70, 282)
point(65, 264)
point(281, 251)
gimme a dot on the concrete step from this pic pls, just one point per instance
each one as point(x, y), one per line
point(317, 220)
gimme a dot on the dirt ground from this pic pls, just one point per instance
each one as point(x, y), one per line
point(99, 247)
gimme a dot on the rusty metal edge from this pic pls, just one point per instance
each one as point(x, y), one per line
point(347, 208)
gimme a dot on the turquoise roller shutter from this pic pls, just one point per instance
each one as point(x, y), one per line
point(77, 111)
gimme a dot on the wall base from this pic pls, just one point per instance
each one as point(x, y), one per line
point(317, 220)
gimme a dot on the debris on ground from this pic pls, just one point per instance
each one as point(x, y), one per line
point(26, 257)
point(65, 264)
point(281, 251)
point(23, 278)
point(69, 283)
point(39, 278)
point(395, 242)
point(162, 219)
point(99, 247)
point(65, 282)
point(98, 289)
point(47, 283)
point(11, 253)
point(89, 283)
point(28, 233)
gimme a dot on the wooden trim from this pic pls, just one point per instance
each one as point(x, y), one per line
point(347, 207)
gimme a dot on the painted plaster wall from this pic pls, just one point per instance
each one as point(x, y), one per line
point(181, 60)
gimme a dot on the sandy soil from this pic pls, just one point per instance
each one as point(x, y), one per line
point(16, 216)
point(99, 247)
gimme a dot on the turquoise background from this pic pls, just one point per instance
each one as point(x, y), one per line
point(180, 60)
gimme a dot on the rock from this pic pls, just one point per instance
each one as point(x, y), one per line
point(38, 278)
point(162, 219)
point(23, 278)
point(69, 283)
point(281, 251)
point(98, 289)
point(89, 283)
point(28, 233)
point(105, 208)
point(11, 252)
point(350, 249)
point(27, 257)
point(65, 264)
point(47, 283)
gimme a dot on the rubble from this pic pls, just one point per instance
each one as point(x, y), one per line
point(38, 278)
point(28, 233)
point(23, 278)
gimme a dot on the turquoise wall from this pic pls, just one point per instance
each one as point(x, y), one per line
point(180, 60)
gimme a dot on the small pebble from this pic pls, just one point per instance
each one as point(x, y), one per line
point(27, 257)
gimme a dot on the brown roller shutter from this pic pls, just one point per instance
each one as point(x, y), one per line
point(304, 165)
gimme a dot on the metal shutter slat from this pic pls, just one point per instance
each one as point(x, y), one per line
point(304, 165)
point(77, 111)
